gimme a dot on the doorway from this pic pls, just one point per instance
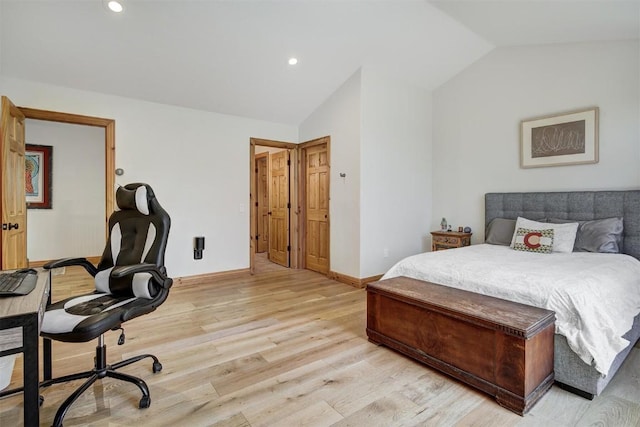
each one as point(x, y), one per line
point(108, 127)
point(289, 216)
point(109, 164)
point(273, 239)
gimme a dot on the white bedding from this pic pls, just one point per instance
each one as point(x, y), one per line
point(595, 296)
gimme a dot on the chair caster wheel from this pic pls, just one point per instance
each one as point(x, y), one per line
point(40, 400)
point(145, 402)
point(157, 367)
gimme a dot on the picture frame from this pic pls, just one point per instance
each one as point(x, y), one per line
point(569, 138)
point(38, 161)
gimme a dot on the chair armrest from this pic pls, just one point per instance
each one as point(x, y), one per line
point(158, 273)
point(68, 262)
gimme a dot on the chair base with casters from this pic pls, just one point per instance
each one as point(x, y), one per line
point(100, 371)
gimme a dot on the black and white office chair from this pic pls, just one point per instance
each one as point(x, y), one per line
point(130, 281)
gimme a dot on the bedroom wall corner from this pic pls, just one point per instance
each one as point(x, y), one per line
point(395, 155)
point(477, 115)
point(340, 118)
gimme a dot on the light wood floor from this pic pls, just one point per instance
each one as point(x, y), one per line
point(263, 265)
point(287, 348)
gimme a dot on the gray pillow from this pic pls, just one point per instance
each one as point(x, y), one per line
point(500, 231)
point(598, 235)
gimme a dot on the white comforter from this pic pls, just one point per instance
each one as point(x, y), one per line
point(595, 296)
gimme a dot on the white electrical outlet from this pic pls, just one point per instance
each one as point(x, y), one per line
point(385, 252)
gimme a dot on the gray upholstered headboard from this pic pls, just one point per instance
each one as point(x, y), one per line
point(578, 205)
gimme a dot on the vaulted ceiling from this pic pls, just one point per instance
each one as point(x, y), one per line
point(231, 56)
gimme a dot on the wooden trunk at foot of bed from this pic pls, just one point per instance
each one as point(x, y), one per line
point(500, 347)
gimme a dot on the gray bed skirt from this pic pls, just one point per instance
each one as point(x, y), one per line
point(578, 377)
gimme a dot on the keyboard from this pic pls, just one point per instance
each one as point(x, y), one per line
point(17, 283)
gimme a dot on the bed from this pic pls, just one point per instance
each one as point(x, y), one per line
point(596, 296)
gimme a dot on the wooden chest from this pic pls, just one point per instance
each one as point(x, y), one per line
point(500, 347)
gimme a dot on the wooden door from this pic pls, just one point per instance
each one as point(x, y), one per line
point(13, 252)
point(317, 208)
point(279, 208)
point(262, 199)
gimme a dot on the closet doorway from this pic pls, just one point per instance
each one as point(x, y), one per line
point(289, 199)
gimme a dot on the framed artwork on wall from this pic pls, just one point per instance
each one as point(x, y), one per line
point(37, 175)
point(569, 138)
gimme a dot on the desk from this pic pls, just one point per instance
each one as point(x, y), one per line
point(20, 319)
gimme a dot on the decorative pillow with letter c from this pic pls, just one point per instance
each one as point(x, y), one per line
point(564, 235)
point(532, 240)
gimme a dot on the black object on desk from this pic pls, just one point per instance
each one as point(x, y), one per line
point(18, 283)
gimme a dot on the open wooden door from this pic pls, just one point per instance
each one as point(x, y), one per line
point(13, 251)
point(279, 208)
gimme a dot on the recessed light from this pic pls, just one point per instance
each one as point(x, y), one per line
point(115, 6)
point(293, 61)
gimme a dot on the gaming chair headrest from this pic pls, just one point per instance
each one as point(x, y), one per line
point(135, 196)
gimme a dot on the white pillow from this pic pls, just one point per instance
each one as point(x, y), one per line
point(564, 235)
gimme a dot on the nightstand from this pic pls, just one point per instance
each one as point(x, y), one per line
point(449, 239)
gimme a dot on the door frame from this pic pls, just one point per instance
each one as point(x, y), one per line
point(109, 126)
point(302, 189)
point(294, 254)
point(297, 184)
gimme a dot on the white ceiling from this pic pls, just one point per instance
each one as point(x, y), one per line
point(526, 22)
point(231, 56)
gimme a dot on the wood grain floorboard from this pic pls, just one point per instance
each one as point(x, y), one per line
point(285, 348)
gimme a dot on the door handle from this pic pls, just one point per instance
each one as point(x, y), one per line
point(10, 226)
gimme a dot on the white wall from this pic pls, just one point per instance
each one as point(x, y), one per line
point(339, 117)
point(1, 38)
point(395, 199)
point(197, 162)
point(74, 226)
point(477, 116)
point(381, 139)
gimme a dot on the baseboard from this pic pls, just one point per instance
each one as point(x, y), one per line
point(352, 281)
point(187, 280)
point(36, 264)
point(190, 280)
